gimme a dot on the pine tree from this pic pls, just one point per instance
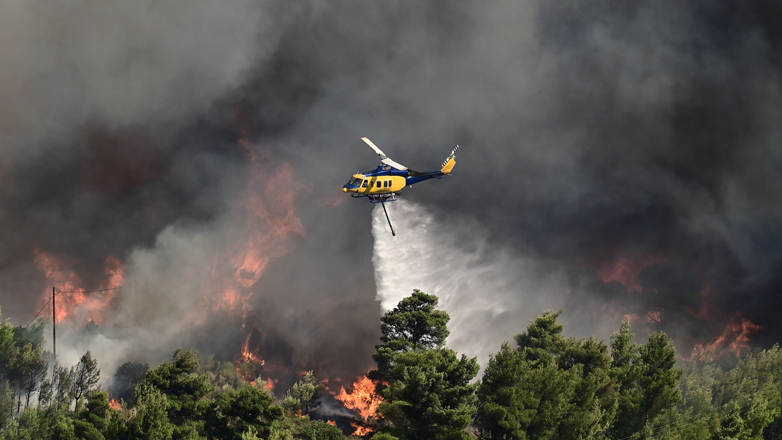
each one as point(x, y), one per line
point(414, 324)
point(85, 377)
point(426, 388)
point(548, 388)
point(302, 395)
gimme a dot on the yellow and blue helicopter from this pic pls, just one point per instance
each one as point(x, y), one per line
point(384, 183)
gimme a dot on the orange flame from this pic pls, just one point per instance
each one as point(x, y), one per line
point(72, 302)
point(654, 316)
point(626, 271)
point(363, 398)
point(114, 403)
point(250, 355)
point(361, 430)
point(271, 221)
point(735, 338)
point(331, 422)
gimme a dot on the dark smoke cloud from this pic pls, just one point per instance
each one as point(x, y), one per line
point(590, 132)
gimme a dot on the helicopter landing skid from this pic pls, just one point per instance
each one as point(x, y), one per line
point(382, 198)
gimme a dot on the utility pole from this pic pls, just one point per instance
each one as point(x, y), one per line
point(54, 326)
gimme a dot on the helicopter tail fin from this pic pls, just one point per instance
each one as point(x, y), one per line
point(450, 162)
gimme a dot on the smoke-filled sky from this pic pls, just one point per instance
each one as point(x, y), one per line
point(617, 160)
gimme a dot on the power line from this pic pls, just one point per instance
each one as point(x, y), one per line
point(73, 291)
point(39, 312)
point(92, 291)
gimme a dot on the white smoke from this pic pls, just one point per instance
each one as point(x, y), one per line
point(490, 292)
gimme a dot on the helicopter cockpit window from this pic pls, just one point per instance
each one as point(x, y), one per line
point(365, 184)
point(355, 181)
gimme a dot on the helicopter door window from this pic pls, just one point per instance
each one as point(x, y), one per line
point(365, 184)
point(378, 184)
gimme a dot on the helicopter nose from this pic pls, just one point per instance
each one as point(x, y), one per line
point(344, 190)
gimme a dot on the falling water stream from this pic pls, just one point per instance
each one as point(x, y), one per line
point(489, 293)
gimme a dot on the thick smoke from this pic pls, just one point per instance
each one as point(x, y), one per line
point(617, 160)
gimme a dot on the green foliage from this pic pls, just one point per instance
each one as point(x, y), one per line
point(151, 419)
point(62, 383)
point(223, 375)
point(22, 366)
point(426, 388)
point(695, 417)
point(6, 406)
point(383, 436)
point(732, 427)
point(302, 395)
point(185, 391)
point(429, 395)
point(648, 381)
point(658, 376)
point(36, 423)
point(85, 377)
point(275, 434)
point(317, 430)
point(413, 325)
point(543, 338)
point(237, 412)
point(126, 378)
point(550, 387)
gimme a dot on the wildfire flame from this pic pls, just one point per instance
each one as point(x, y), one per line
point(72, 302)
point(361, 430)
point(735, 338)
point(626, 271)
point(362, 400)
point(114, 403)
point(249, 355)
point(270, 220)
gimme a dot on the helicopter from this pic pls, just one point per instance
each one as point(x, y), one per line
point(384, 183)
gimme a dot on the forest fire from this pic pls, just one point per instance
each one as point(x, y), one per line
point(115, 404)
point(270, 220)
point(248, 355)
point(361, 430)
point(362, 400)
point(73, 302)
point(626, 270)
point(734, 338)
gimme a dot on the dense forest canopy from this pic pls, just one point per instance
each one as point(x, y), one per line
point(544, 386)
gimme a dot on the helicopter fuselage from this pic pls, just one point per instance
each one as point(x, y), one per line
point(385, 180)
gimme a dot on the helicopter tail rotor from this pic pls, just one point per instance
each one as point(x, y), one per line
point(449, 162)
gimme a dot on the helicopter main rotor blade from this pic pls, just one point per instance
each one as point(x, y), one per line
point(393, 164)
point(374, 147)
point(383, 158)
